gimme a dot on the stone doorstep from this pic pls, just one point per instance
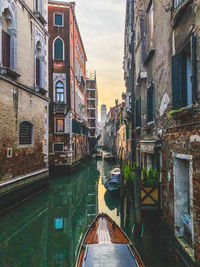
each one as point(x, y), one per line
point(21, 180)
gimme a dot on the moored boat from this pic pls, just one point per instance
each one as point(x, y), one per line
point(115, 171)
point(109, 157)
point(105, 244)
point(113, 183)
point(99, 155)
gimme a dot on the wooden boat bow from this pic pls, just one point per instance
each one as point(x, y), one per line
point(105, 244)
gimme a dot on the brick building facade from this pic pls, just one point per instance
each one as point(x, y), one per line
point(166, 105)
point(24, 93)
point(67, 75)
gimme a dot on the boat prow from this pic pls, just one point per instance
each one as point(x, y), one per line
point(105, 244)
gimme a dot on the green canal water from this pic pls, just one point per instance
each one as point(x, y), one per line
point(47, 230)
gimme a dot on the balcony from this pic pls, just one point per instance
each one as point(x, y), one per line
point(177, 3)
point(60, 108)
point(178, 6)
point(91, 107)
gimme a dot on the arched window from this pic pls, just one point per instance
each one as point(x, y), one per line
point(6, 39)
point(25, 133)
point(59, 92)
point(58, 49)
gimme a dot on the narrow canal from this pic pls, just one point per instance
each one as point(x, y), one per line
point(47, 230)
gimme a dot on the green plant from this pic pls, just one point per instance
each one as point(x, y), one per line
point(144, 174)
point(128, 175)
point(135, 166)
point(174, 111)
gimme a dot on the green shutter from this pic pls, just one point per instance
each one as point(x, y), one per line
point(150, 103)
point(58, 49)
point(176, 81)
point(194, 67)
point(179, 82)
point(138, 112)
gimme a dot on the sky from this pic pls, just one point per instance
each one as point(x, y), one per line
point(101, 25)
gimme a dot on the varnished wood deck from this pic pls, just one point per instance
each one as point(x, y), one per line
point(104, 231)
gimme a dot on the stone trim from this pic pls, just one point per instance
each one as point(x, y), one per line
point(23, 180)
point(23, 87)
point(33, 16)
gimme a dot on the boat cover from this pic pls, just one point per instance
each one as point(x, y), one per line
point(109, 255)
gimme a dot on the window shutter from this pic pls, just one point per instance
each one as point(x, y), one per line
point(6, 49)
point(58, 49)
point(176, 81)
point(138, 112)
point(150, 103)
point(37, 72)
point(179, 81)
point(194, 68)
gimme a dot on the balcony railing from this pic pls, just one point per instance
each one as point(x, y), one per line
point(177, 3)
point(60, 108)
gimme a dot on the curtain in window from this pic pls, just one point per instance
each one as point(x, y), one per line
point(58, 49)
point(37, 72)
point(5, 49)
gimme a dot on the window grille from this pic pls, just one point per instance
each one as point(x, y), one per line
point(25, 133)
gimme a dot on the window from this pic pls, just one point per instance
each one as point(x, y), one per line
point(150, 103)
point(37, 72)
point(59, 92)
point(5, 49)
point(25, 133)
point(39, 66)
point(58, 147)
point(184, 77)
point(58, 49)
point(60, 125)
point(138, 112)
point(59, 223)
point(150, 25)
point(58, 20)
point(39, 6)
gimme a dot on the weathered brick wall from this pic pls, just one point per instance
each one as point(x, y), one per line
point(17, 105)
point(183, 137)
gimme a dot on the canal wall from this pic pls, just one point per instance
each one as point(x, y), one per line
point(21, 188)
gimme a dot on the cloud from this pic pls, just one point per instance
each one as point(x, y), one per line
point(101, 25)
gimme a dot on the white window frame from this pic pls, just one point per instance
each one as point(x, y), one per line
point(54, 18)
point(58, 143)
point(55, 126)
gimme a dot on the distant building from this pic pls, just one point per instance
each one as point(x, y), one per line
point(24, 94)
point(92, 110)
point(103, 114)
point(67, 75)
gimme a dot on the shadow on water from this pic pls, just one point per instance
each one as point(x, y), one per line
point(47, 230)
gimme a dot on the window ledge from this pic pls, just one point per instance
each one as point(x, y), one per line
point(183, 112)
point(149, 55)
point(150, 123)
point(40, 17)
point(42, 90)
point(8, 72)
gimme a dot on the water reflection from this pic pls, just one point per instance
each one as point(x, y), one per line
point(47, 230)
